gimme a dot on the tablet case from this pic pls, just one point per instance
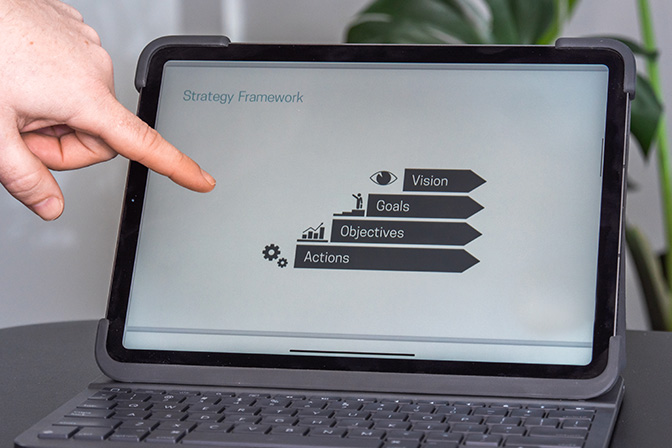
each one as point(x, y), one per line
point(381, 381)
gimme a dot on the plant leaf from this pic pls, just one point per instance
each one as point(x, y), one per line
point(563, 12)
point(656, 294)
point(646, 113)
point(521, 21)
point(454, 21)
point(423, 21)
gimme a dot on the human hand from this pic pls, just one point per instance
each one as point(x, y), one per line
point(58, 110)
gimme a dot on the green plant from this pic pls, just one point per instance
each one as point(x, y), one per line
point(540, 22)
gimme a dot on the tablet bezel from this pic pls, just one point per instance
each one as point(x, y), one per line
point(610, 220)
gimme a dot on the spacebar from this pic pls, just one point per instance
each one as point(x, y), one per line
point(275, 441)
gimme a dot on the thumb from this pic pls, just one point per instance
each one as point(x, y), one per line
point(26, 178)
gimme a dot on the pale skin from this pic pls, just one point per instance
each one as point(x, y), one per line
point(58, 110)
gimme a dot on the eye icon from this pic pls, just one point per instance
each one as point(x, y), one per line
point(383, 178)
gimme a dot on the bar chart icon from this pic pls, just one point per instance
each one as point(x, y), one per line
point(313, 233)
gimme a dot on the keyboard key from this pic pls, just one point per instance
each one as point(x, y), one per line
point(426, 418)
point(130, 414)
point(246, 429)
point(468, 427)
point(290, 430)
point(266, 402)
point(236, 401)
point(392, 424)
point(128, 435)
point(204, 417)
point(528, 413)
point(141, 424)
point(366, 433)
point(165, 436)
point(93, 434)
point(221, 427)
point(571, 413)
point(441, 444)
point(552, 422)
point(460, 410)
point(84, 421)
point(57, 432)
point(580, 423)
point(97, 404)
point(133, 397)
point(543, 442)
point(547, 407)
point(245, 410)
point(430, 426)
point(93, 413)
point(148, 391)
point(249, 419)
point(182, 426)
point(472, 404)
point(345, 405)
point(202, 400)
point(278, 411)
point(327, 432)
point(417, 408)
point(351, 414)
point(317, 421)
point(395, 443)
point(133, 405)
point(558, 432)
point(476, 420)
point(507, 429)
point(499, 412)
point(117, 390)
point(103, 395)
point(484, 440)
point(169, 407)
point(398, 416)
point(380, 407)
point(206, 407)
point(281, 441)
point(404, 435)
point(353, 423)
point(285, 420)
point(444, 437)
point(166, 415)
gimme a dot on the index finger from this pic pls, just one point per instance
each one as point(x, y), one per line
point(131, 137)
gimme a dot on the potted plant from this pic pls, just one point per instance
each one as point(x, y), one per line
point(540, 22)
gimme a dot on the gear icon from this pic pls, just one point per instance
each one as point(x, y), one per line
point(282, 263)
point(271, 252)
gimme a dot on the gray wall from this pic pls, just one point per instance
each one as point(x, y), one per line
point(60, 270)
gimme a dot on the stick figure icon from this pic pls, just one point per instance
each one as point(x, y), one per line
point(358, 198)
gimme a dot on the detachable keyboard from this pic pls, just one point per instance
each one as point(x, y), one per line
point(223, 418)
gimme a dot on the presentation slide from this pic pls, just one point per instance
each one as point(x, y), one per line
point(446, 212)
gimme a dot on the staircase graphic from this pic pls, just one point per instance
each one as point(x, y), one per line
point(385, 234)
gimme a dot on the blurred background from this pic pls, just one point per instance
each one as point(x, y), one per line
point(61, 270)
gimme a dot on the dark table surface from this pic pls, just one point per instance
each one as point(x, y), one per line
point(55, 361)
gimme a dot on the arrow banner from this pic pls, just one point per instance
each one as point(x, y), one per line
point(402, 232)
point(383, 258)
point(447, 181)
point(421, 206)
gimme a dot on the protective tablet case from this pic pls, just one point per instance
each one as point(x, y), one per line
point(381, 381)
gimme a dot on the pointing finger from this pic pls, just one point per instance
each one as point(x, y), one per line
point(134, 139)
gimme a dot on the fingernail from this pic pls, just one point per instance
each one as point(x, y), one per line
point(49, 209)
point(211, 180)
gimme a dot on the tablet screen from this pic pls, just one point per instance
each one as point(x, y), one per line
point(376, 210)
